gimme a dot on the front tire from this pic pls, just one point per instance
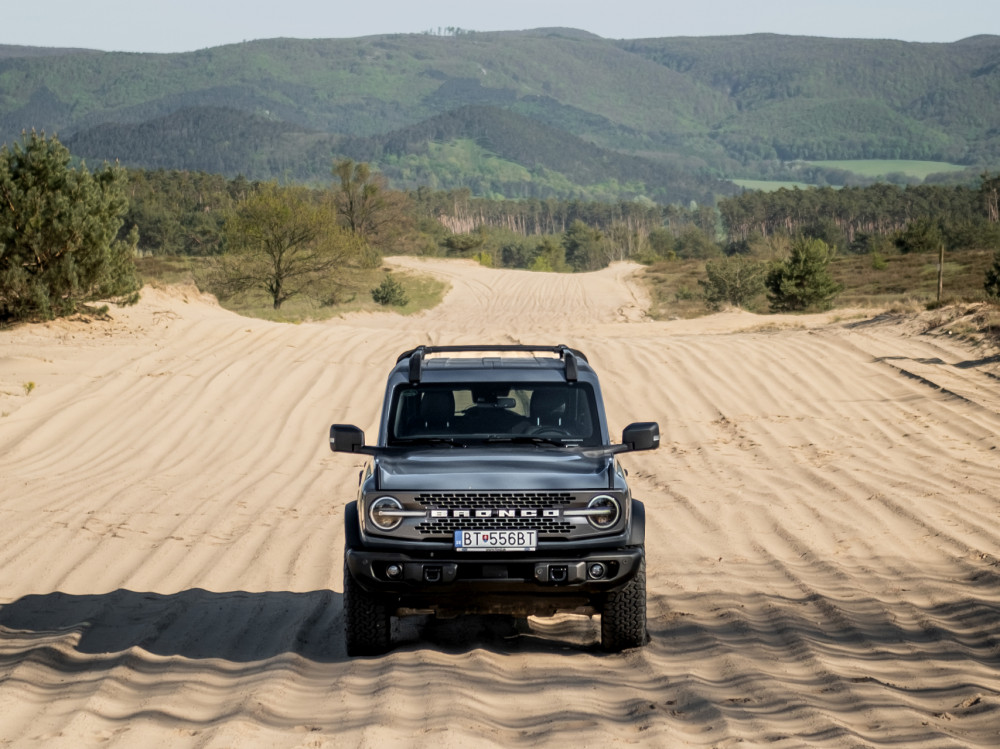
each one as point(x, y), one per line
point(623, 617)
point(367, 629)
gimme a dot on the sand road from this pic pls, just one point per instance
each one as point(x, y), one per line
point(823, 536)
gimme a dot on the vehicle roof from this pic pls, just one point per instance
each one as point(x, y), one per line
point(437, 361)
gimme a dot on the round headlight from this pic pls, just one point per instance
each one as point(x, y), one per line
point(604, 511)
point(385, 513)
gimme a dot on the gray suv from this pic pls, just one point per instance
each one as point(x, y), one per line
point(493, 489)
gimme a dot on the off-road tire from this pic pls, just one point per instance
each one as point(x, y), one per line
point(367, 622)
point(623, 616)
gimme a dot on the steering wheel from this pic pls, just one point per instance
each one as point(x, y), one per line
point(549, 431)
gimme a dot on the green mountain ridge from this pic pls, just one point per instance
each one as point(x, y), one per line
point(664, 118)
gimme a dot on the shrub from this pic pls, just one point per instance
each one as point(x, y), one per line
point(992, 284)
point(920, 235)
point(734, 280)
point(803, 280)
point(390, 292)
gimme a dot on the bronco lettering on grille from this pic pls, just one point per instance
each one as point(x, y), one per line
point(495, 513)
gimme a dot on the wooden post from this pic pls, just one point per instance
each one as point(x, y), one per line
point(940, 272)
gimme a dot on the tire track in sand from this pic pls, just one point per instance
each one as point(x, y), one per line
point(821, 537)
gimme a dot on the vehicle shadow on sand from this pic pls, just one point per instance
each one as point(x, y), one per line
point(242, 626)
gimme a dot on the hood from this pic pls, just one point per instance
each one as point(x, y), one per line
point(484, 469)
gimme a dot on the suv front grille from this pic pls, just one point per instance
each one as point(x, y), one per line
point(494, 501)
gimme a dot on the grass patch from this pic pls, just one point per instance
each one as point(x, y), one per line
point(910, 279)
point(772, 327)
point(902, 283)
point(674, 291)
point(169, 269)
point(351, 293)
point(423, 292)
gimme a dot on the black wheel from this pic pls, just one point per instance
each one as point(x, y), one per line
point(366, 620)
point(623, 617)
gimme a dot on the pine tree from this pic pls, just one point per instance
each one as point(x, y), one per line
point(58, 233)
point(390, 292)
point(803, 280)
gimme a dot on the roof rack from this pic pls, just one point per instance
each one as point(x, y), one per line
point(416, 356)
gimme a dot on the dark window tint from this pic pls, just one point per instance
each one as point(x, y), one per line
point(563, 412)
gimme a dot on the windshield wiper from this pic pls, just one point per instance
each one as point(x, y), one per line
point(528, 440)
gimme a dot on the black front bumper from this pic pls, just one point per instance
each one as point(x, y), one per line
point(473, 582)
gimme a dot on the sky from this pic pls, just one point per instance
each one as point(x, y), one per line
point(185, 25)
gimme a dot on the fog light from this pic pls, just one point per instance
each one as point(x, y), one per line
point(597, 571)
point(393, 571)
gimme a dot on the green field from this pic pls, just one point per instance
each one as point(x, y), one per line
point(881, 167)
point(769, 185)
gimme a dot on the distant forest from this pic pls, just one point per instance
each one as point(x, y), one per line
point(546, 113)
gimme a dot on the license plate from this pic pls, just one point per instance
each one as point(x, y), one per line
point(496, 540)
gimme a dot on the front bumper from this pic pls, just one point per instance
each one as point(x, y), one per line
point(473, 582)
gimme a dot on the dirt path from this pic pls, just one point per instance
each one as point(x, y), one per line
point(823, 534)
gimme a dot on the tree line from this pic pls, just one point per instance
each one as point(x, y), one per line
point(852, 216)
point(68, 235)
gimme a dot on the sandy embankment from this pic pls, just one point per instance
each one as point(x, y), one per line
point(823, 534)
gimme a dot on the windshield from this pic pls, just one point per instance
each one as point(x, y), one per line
point(473, 413)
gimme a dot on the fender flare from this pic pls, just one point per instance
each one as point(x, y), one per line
point(637, 534)
point(352, 527)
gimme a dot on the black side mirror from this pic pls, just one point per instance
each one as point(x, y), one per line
point(346, 438)
point(643, 435)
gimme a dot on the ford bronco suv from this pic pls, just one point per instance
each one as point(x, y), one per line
point(493, 489)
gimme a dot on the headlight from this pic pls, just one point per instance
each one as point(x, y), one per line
point(603, 511)
point(385, 513)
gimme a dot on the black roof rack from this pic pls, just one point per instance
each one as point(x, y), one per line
point(416, 355)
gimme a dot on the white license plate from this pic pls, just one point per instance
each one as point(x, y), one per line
point(496, 540)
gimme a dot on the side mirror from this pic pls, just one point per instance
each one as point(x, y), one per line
point(643, 435)
point(346, 438)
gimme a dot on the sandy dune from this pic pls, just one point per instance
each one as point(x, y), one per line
point(823, 540)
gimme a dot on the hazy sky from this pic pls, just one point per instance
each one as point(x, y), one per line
point(183, 25)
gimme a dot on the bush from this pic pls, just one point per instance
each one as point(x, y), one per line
point(992, 284)
point(390, 292)
point(803, 280)
point(733, 280)
point(694, 243)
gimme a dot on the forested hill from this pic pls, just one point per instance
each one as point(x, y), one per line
point(548, 112)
